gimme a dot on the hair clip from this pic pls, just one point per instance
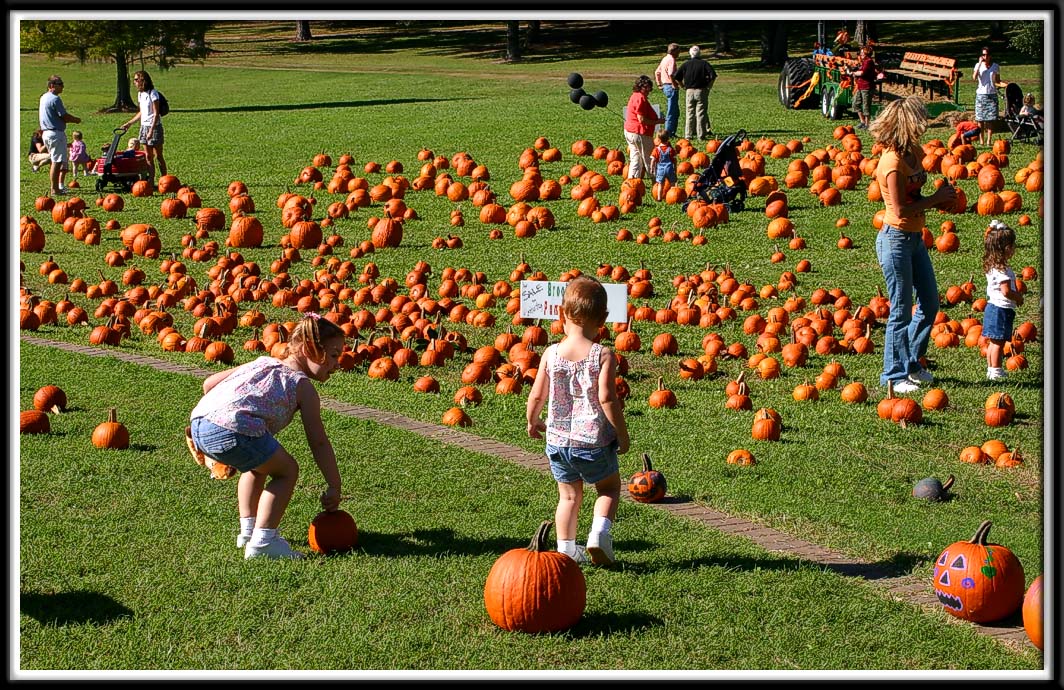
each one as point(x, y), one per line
point(312, 315)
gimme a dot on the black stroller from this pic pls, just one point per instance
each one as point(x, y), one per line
point(722, 181)
point(1024, 126)
point(120, 168)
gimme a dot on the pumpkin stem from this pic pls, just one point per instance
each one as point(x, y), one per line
point(890, 389)
point(981, 533)
point(112, 415)
point(646, 462)
point(948, 483)
point(539, 540)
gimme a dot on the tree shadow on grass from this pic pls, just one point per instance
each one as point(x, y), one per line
point(66, 608)
point(316, 106)
point(433, 542)
point(596, 625)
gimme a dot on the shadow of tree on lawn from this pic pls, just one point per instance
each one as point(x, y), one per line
point(66, 608)
point(316, 106)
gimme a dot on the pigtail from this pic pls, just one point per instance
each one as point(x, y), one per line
point(310, 334)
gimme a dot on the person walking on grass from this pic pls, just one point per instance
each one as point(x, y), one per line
point(987, 75)
point(899, 245)
point(697, 77)
point(665, 76)
point(639, 122)
point(151, 121)
point(241, 411)
point(585, 425)
point(664, 162)
point(1002, 297)
point(53, 117)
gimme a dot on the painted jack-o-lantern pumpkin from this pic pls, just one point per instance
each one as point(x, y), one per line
point(979, 581)
point(648, 485)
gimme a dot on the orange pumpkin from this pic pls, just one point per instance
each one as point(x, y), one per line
point(1032, 612)
point(978, 581)
point(332, 532)
point(111, 434)
point(648, 485)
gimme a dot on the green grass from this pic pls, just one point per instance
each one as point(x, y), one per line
point(841, 477)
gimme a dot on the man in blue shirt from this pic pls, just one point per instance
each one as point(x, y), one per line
point(821, 50)
point(53, 118)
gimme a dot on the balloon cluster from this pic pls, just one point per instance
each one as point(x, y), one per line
point(585, 100)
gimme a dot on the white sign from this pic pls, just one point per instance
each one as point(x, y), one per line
point(541, 299)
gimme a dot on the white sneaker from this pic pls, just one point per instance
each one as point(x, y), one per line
point(600, 548)
point(580, 556)
point(995, 374)
point(922, 376)
point(242, 540)
point(904, 386)
point(36, 167)
point(278, 548)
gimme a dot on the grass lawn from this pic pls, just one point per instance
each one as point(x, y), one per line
point(127, 559)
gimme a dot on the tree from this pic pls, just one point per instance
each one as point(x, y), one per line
point(532, 36)
point(303, 31)
point(723, 42)
point(125, 43)
point(1028, 37)
point(513, 41)
point(773, 43)
point(860, 34)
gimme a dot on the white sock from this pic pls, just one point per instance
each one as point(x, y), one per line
point(601, 525)
point(262, 537)
point(567, 546)
point(247, 525)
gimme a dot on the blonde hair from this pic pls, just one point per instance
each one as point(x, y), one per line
point(310, 335)
point(900, 124)
point(76, 134)
point(133, 143)
point(584, 301)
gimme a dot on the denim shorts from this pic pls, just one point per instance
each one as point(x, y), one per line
point(236, 450)
point(569, 464)
point(997, 322)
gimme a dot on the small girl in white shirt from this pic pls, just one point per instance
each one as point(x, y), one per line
point(1002, 295)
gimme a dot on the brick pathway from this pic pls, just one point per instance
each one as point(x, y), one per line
point(914, 589)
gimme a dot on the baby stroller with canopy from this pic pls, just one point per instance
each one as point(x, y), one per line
point(1024, 125)
point(722, 181)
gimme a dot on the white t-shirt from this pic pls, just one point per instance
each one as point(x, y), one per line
point(994, 279)
point(147, 112)
point(987, 77)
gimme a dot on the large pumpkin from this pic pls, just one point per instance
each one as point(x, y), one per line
point(1032, 612)
point(648, 485)
point(535, 589)
point(332, 532)
point(978, 581)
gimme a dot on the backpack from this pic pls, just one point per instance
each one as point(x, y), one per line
point(164, 105)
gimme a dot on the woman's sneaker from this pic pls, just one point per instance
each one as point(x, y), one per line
point(600, 548)
point(277, 548)
point(922, 376)
point(906, 386)
point(995, 374)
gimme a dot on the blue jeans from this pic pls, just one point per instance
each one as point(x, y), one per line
point(245, 453)
point(906, 267)
point(569, 464)
point(672, 108)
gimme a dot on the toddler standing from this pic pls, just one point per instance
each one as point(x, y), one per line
point(585, 425)
point(1002, 297)
point(79, 157)
point(664, 159)
point(241, 410)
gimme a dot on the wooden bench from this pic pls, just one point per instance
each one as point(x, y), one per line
point(935, 75)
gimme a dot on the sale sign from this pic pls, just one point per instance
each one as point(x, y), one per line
point(541, 299)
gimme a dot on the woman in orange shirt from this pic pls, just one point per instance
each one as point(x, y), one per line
point(899, 245)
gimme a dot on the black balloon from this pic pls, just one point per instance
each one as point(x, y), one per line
point(587, 101)
point(601, 98)
point(575, 80)
point(575, 95)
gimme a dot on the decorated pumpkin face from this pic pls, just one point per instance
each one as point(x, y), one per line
point(647, 486)
point(977, 581)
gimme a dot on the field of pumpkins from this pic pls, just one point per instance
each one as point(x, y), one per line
point(749, 360)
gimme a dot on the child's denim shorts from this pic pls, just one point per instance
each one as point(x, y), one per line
point(590, 464)
point(236, 450)
point(997, 322)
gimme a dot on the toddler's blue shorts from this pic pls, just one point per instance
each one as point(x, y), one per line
point(236, 450)
point(997, 322)
point(569, 464)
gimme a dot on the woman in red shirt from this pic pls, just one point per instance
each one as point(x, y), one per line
point(639, 127)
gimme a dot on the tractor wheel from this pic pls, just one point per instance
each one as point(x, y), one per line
point(827, 100)
point(794, 80)
point(834, 109)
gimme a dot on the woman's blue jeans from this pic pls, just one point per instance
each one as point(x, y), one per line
point(906, 267)
point(672, 108)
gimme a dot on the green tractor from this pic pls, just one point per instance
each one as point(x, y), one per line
point(821, 80)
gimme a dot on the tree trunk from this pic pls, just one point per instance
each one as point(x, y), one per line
point(779, 45)
point(720, 34)
point(124, 102)
point(997, 30)
point(872, 30)
point(303, 31)
point(513, 41)
point(859, 33)
point(532, 35)
point(773, 43)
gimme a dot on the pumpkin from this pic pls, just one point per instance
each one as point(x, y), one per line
point(662, 397)
point(766, 426)
point(33, 422)
point(468, 396)
point(935, 399)
point(50, 398)
point(854, 392)
point(973, 455)
point(111, 434)
point(332, 532)
point(456, 416)
point(741, 456)
point(906, 411)
point(648, 485)
point(932, 489)
point(1032, 612)
point(535, 589)
point(999, 409)
point(978, 581)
